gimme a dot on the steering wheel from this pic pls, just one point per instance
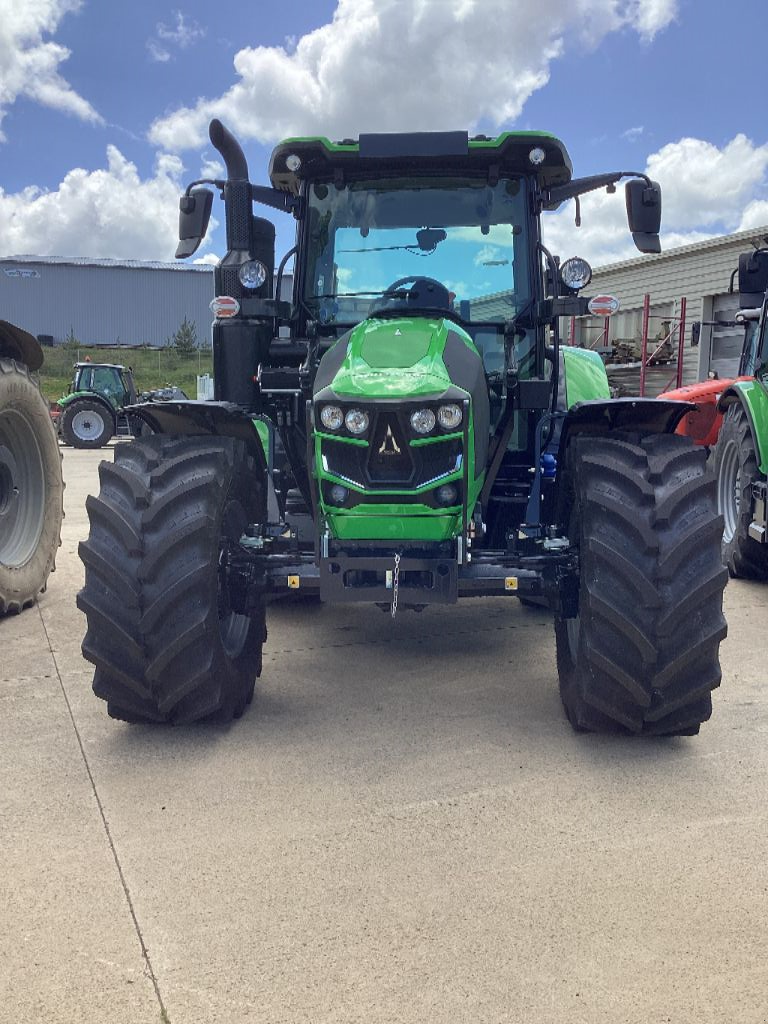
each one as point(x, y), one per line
point(437, 295)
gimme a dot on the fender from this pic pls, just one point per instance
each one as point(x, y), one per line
point(218, 419)
point(702, 425)
point(95, 396)
point(20, 345)
point(651, 415)
point(754, 399)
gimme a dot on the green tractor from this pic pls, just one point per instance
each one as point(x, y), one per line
point(94, 411)
point(741, 451)
point(409, 431)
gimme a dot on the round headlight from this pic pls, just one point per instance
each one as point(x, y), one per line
point(575, 273)
point(331, 417)
point(357, 421)
point(252, 274)
point(447, 494)
point(537, 156)
point(293, 162)
point(339, 494)
point(449, 416)
point(423, 420)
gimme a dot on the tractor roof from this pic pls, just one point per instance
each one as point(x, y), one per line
point(442, 152)
point(104, 366)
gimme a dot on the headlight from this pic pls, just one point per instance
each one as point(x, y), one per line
point(575, 273)
point(357, 421)
point(331, 417)
point(449, 416)
point(423, 420)
point(252, 274)
point(339, 494)
point(447, 494)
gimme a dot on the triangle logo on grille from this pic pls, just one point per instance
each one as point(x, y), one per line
point(389, 445)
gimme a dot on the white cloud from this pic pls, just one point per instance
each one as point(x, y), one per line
point(29, 63)
point(633, 134)
point(181, 35)
point(755, 215)
point(395, 65)
point(650, 16)
point(706, 191)
point(209, 260)
point(109, 212)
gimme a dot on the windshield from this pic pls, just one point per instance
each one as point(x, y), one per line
point(417, 244)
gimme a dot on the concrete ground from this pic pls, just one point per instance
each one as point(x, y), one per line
point(402, 828)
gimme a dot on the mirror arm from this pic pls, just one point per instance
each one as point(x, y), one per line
point(579, 186)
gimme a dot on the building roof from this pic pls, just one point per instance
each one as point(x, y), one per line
point(89, 261)
point(718, 242)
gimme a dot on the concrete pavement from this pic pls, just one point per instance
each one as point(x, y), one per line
point(402, 828)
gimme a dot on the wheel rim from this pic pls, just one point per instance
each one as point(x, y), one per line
point(22, 489)
point(729, 490)
point(87, 425)
point(233, 627)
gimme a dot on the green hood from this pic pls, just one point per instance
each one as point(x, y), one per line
point(391, 358)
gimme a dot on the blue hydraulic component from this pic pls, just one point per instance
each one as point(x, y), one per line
point(548, 466)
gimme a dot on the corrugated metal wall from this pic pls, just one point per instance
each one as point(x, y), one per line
point(127, 304)
point(699, 272)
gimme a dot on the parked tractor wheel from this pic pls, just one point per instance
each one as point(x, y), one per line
point(86, 424)
point(736, 467)
point(165, 642)
point(31, 489)
point(642, 654)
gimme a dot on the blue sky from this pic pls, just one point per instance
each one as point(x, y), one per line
point(104, 105)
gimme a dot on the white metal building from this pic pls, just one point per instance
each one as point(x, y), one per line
point(701, 273)
point(105, 302)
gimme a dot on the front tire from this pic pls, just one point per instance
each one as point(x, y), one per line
point(642, 656)
point(165, 642)
point(86, 424)
point(736, 468)
point(31, 489)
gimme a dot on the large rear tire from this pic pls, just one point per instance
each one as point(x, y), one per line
point(31, 489)
point(165, 642)
point(642, 656)
point(736, 468)
point(86, 423)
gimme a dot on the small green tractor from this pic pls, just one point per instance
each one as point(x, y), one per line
point(409, 431)
point(31, 485)
point(94, 410)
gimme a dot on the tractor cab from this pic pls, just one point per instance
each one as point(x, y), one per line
point(111, 381)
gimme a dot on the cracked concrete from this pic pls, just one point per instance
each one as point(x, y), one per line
point(402, 828)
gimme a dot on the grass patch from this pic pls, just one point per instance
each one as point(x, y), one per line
point(152, 368)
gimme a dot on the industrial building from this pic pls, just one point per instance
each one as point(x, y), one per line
point(701, 274)
point(105, 302)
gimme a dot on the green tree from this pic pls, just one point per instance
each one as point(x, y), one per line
point(71, 342)
point(185, 338)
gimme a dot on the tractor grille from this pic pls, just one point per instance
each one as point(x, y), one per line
point(389, 461)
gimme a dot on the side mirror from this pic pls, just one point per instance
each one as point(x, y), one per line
point(644, 213)
point(753, 278)
point(194, 214)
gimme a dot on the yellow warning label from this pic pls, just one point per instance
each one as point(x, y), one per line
point(510, 582)
point(294, 582)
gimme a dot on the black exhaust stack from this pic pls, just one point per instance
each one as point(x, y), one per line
point(241, 342)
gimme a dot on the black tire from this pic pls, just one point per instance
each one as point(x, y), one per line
point(31, 489)
point(643, 654)
point(86, 423)
point(736, 468)
point(164, 641)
